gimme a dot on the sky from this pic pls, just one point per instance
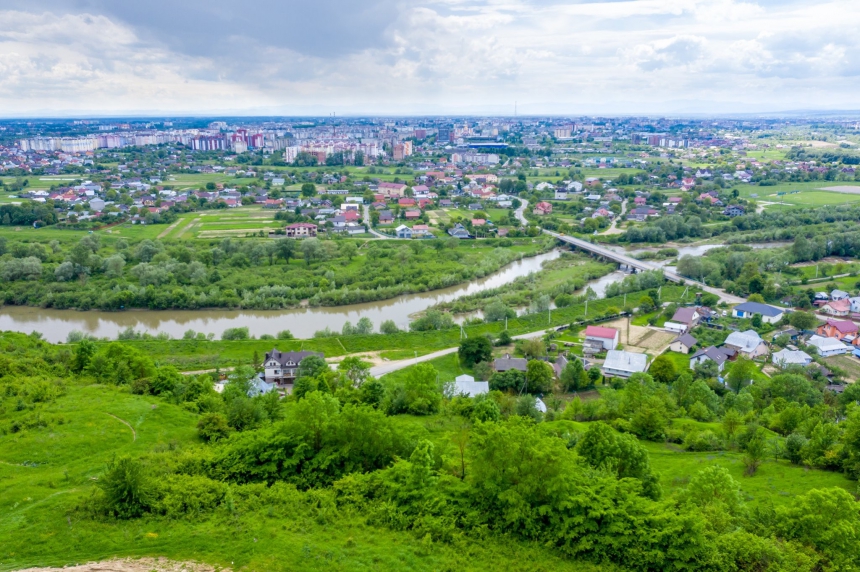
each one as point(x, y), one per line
point(427, 57)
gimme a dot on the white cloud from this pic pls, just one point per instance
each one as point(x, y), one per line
point(437, 56)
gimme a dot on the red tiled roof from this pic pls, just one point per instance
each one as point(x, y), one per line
point(601, 332)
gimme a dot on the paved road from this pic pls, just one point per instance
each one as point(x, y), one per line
point(380, 370)
point(642, 265)
point(519, 212)
point(613, 229)
point(373, 231)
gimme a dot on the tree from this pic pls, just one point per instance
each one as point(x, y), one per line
point(732, 421)
point(475, 350)
point(663, 369)
point(707, 369)
point(309, 190)
point(421, 390)
point(741, 374)
point(539, 376)
point(496, 310)
point(594, 375)
point(348, 250)
point(356, 370)
point(285, 248)
point(756, 321)
point(533, 348)
point(574, 377)
point(715, 492)
point(754, 452)
point(512, 380)
point(84, 352)
point(504, 339)
point(312, 249)
point(802, 320)
point(388, 327)
point(619, 454)
point(313, 366)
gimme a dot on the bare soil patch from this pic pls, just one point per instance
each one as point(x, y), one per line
point(848, 189)
point(641, 339)
point(130, 565)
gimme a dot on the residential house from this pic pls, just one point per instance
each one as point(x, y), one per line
point(855, 304)
point(301, 230)
point(769, 314)
point(602, 337)
point(683, 344)
point(733, 210)
point(684, 320)
point(392, 189)
point(282, 368)
point(834, 295)
point(560, 194)
point(412, 215)
point(478, 222)
point(542, 208)
point(559, 365)
point(828, 346)
point(619, 363)
point(475, 206)
point(508, 363)
point(748, 344)
point(718, 355)
point(385, 217)
point(837, 307)
point(403, 231)
point(459, 231)
point(466, 385)
point(640, 214)
point(844, 330)
point(784, 358)
point(421, 230)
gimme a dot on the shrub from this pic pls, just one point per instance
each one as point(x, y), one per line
point(236, 334)
point(212, 427)
point(128, 491)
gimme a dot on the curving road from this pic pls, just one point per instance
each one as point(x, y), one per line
point(642, 265)
point(380, 370)
point(519, 212)
point(370, 229)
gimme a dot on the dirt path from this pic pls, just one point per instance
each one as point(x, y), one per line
point(187, 227)
point(167, 230)
point(127, 424)
point(129, 565)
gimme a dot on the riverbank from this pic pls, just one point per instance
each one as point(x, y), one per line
point(56, 325)
point(190, 355)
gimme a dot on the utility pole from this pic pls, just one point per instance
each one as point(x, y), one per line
point(586, 307)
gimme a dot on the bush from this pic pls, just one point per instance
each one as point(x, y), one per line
point(702, 441)
point(128, 491)
point(212, 427)
point(236, 334)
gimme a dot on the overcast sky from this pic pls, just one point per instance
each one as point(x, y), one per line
point(427, 56)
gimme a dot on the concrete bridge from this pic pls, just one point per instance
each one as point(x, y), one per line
point(641, 265)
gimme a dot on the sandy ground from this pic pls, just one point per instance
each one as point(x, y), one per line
point(129, 565)
point(842, 189)
point(642, 339)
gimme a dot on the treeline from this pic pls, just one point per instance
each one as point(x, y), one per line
point(155, 275)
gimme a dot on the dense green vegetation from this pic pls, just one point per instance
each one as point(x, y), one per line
point(113, 274)
point(105, 453)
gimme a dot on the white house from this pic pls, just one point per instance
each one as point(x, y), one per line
point(607, 338)
point(466, 385)
point(619, 363)
point(717, 355)
point(747, 343)
point(855, 304)
point(828, 346)
point(785, 358)
point(675, 327)
point(683, 344)
point(839, 295)
point(561, 194)
point(769, 314)
point(403, 231)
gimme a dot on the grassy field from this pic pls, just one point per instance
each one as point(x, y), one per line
point(45, 474)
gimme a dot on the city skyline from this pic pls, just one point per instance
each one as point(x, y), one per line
point(645, 57)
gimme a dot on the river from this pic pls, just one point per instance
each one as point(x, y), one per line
point(55, 325)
